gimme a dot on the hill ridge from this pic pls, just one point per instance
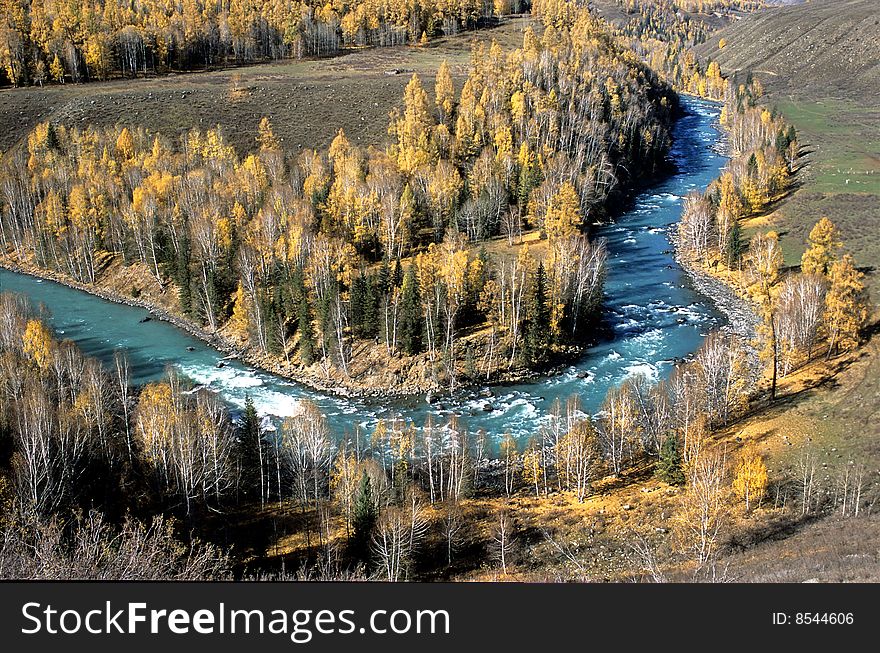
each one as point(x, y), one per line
point(822, 45)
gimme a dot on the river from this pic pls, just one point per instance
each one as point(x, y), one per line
point(653, 317)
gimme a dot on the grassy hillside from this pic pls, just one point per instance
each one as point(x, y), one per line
point(818, 62)
point(826, 46)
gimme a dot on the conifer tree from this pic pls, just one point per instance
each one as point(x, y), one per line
point(444, 93)
point(252, 454)
point(370, 323)
point(734, 245)
point(383, 279)
point(846, 309)
point(266, 138)
point(397, 274)
point(366, 514)
point(669, 466)
point(537, 331)
point(358, 299)
point(182, 274)
point(411, 314)
point(304, 321)
point(824, 244)
point(563, 215)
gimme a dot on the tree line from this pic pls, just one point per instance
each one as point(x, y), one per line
point(663, 33)
point(303, 256)
point(87, 40)
point(824, 302)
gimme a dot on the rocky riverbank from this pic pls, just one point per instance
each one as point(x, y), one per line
point(742, 319)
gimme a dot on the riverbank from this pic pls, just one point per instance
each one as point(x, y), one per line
point(742, 319)
point(373, 372)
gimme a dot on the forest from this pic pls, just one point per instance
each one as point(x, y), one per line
point(461, 245)
point(80, 439)
point(319, 258)
point(86, 40)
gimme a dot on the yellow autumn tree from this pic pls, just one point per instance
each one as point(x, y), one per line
point(444, 93)
point(125, 144)
point(156, 423)
point(563, 217)
point(730, 204)
point(98, 55)
point(750, 480)
point(240, 322)
point(846, 309)
point(38, 343)
point(413, 128)
point(444, 188)
point(266, 137)
point(344, 480)
point(53, 213)
point(533, 467)
point(56, 70)
point(824, 244)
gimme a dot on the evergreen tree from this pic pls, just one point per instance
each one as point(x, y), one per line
point(226, 279)
point(397, 274)
point(269, 310)
point(735, 245)
point(524, 186)
point(669, 465)
point(530, 177)
point(304, 320)
point(52, 137)
point(537, 328)
point(182, 275)
point(251, 454)
point(752, 165)
point(383, 280)
point(411, 314)
point(782, 141)
point(366, 514)
point(329, 338)
point(358, 304)
point(370, 325)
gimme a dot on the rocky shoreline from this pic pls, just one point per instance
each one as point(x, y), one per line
point(741, 317)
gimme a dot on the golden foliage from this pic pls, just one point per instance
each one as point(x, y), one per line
point(563, 217)
point(750, 479)
point(846, 309)
point(38, 343)
point(824, 244)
